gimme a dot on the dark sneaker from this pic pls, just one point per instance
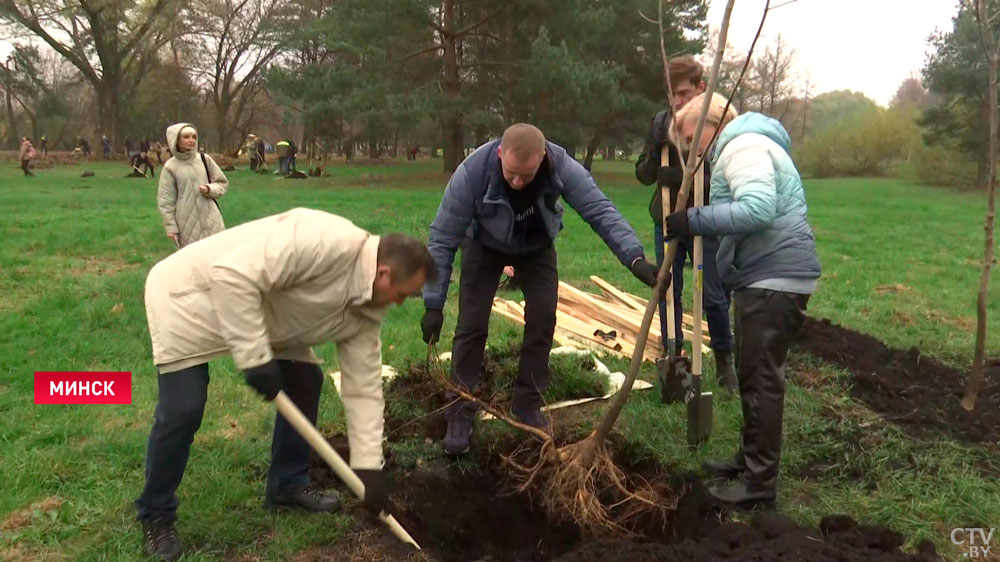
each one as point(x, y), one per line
point(456, 440)
point(307, 498)
point(160, 540)
point(742, 495)
point(535, 418)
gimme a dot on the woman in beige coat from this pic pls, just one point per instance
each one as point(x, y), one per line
point(190, 183)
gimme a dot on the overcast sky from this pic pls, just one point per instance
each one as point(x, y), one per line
point(866, 45)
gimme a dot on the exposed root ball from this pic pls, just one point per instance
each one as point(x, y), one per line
point(581, 483)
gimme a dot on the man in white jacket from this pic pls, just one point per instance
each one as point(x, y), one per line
point(264, 292)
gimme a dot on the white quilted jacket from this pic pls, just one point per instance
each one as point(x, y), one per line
point(184, 209)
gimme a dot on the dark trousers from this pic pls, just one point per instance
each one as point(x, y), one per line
point(714, 298)
point(539, 276)
point(766, 324)
point(178, 416)
point(254, 162)
point(25, 164)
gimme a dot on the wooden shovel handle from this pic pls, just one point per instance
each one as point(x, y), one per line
point(343, 471)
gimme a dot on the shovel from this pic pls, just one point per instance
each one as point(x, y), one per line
point(699, 404)
point(672, 370)
point(308, 432)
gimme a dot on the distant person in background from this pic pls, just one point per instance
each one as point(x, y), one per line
point(157, 149)
point(44, 146)
point(412, 152)
point(293, 150)
point(260, 148)
point(283, 150)
point(190, 183)
point(27, 154)
point(83, 145)
point(251, 151)
point(147, 165)
point(106, 147)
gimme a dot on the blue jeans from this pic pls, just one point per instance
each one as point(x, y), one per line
point(283, 165)
point(714, 298)
point(178, 416)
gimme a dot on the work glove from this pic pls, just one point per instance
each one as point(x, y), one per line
point(676, 225)
point(669, 177)
point(376, 488)
point(431, 324)
point(265, 379)
point(644, 271)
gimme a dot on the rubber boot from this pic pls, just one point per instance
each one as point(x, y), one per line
point(731, 468)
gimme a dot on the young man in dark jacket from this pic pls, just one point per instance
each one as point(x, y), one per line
point(502, 206)
point(686, 83)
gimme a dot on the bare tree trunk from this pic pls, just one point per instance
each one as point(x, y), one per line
point(588, 160)
point(13, 139)
point(979, 359)
point(452, 131)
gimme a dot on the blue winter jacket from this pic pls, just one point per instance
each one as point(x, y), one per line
point(475, 201)
point(757, 206)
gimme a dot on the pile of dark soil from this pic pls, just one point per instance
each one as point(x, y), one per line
point(917, 392)
point(462, 511)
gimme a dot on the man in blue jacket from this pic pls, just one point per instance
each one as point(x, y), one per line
point(502, 206)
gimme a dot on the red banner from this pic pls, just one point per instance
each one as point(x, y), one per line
point(83, 387)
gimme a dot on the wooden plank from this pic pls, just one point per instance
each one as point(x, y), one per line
point(618, 295)
point(604, 313)
point(686, 318)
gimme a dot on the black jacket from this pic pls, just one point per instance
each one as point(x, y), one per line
point(647, 169)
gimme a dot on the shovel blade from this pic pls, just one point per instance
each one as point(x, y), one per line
point(699, 414)
point(672, 390)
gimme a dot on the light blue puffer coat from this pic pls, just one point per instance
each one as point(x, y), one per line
point(757, 206)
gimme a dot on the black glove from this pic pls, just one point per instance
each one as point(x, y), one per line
point(376, 489)
point(677, 225)
point(431, 324)
point(265, 379)
point(644, 271)
point(669, 177)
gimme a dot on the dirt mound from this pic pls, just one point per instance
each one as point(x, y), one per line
point(768, 536)
point(462, 510)
point(917, 392)
point(461, 514)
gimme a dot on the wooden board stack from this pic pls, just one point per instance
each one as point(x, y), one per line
point(607, 322)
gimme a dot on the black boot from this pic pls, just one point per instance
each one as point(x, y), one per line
point(724, 372)
point(306, 498)
point(160, 539)
point(730, 468)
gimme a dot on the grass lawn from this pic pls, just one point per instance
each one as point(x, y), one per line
point(901, 262)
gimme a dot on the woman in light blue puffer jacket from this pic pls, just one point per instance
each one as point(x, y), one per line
point(767, 258)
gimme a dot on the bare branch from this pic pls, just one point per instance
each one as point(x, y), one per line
point(736, 87)
point(650, 20)
point(430, 49)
